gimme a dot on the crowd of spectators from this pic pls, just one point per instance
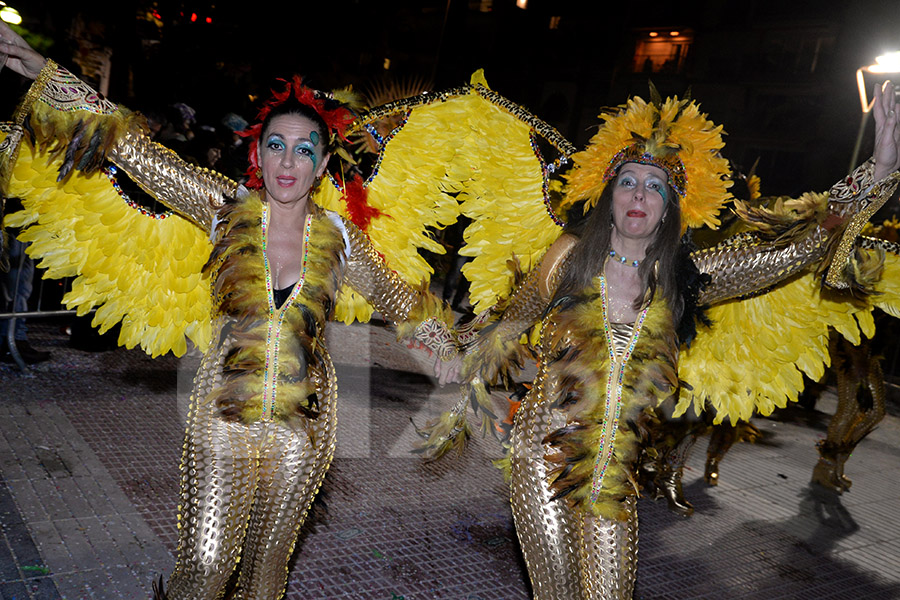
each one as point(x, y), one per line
point(210, 143)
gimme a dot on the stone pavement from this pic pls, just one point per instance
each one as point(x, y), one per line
point(89, 451)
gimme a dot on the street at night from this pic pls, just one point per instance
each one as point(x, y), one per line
point(749, 108)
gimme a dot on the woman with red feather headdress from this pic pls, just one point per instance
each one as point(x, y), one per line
point(261, 426)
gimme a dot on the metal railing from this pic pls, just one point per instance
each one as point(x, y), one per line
point(12, 293)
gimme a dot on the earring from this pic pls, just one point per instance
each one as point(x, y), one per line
point(258, 173)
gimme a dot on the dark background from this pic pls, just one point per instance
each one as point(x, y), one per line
point(779, 75)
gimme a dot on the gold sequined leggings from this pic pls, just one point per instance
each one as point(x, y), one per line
point(570, 555)
point(245, 491)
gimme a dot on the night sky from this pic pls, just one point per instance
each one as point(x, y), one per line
point(215, 67)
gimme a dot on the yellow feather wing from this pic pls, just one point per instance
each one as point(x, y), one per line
point(471, 152)
point(133, 268)
point(753, 358)
point(412, 186)
point(505, 196)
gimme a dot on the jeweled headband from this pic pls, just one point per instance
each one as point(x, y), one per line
point(635, 153)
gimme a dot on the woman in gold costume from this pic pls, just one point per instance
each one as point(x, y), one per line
point(261, 427)
point(616, 298)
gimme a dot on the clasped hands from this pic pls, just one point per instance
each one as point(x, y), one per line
point(449, 371)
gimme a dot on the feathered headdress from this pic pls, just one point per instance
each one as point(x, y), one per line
point(336, 115)
point(672, 135)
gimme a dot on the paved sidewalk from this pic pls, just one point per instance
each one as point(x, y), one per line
point(89, 451)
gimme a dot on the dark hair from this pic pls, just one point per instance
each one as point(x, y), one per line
point(589, 254)
point(292, 107)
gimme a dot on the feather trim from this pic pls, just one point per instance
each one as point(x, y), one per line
point(690, 284)
point(81, 140)
point(860, 272)
point(788, 220)
point(358, 208)
point(583, 366)
point(492, 355)
point(237, 263)
point(427, 306)
point(448, 432)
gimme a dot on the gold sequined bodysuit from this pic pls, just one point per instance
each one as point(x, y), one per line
point(579, 533)
point(261, 426)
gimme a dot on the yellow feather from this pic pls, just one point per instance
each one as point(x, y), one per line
point(137, 270)
point(753, 358)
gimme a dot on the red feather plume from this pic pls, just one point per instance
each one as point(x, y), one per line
point(358, 207)
point(338, 119)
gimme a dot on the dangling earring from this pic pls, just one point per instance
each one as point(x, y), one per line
point(258, 172)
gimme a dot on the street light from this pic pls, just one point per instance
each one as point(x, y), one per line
point(884, 64)
point(9, 14)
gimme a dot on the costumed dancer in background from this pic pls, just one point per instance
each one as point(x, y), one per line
point(856, 368)
point(261, 428)
point(616, 296)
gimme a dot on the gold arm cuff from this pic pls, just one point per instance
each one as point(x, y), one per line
point(880, 194)
point(437, 336)
point(35, 91)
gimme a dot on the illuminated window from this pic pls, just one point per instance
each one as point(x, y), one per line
point(554, 22)
point(661, 53)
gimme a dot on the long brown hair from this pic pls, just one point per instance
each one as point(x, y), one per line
point(589, 254)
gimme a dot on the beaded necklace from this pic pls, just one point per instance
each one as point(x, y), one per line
point(613, 406)
point(276, 315)
point(623, 260)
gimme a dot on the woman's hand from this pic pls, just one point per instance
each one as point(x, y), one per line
point(448, 371)
point(22, 57)
point(887, 131)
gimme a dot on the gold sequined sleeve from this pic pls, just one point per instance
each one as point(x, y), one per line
point(189, 190)
point(745, 264)
point(415, 312)
point(71, 119)
point(492, 339)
